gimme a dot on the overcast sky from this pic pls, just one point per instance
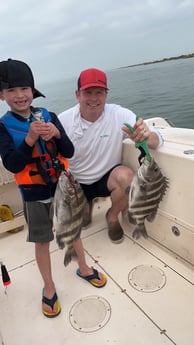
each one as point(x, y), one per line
point(59, 38)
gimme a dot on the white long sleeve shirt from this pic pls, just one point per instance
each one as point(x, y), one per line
point(98, 145)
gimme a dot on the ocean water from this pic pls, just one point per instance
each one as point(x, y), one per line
point(164, 89)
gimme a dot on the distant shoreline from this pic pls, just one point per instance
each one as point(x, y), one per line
point(186, 56)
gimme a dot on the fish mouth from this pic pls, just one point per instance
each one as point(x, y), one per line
point(149, 179)
point(148, 162)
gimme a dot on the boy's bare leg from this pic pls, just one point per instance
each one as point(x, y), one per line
point(85, 270)
point(44, 264)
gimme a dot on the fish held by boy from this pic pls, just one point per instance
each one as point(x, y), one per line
point(146, 192)
point(68, 206)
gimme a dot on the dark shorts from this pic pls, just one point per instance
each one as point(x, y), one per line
point(38, 216)
point(98, 188)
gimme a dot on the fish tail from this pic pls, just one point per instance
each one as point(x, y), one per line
point(68, 256)
point(139, 231)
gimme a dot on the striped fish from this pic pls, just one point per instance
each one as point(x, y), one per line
point(68, 206)
point(146, 191)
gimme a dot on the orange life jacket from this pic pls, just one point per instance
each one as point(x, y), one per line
point(46, 163)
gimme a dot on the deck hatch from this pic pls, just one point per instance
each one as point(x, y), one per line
point(89, 314)
point(147, 278)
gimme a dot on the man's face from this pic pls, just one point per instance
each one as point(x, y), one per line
point(92, 101)
point(19, 99)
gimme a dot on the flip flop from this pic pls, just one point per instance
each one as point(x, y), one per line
point(93, 276)
point(51, 302)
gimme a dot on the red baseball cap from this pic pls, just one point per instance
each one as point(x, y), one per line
point(92, 77)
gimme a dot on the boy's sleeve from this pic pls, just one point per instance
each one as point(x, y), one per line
point(14, 159)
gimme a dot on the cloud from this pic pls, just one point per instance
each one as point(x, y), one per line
point(59, 38)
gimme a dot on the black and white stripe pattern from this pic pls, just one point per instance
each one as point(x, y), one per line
point(69, 203)
point(146, 191)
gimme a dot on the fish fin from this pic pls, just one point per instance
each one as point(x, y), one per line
point(127, 190)
point(151, 216)
point(140, 231)
point(131, 219)
point(165, 187)
point(60, 241)
point(68, 256)
point(143, 186)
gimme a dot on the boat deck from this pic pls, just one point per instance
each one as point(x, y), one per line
point(148, 298)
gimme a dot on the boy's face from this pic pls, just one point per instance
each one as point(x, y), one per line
point(19, 99)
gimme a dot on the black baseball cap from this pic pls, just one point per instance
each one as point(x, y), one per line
point(14, 73)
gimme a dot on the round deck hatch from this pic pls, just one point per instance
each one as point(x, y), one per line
point(147, 278)
point(89, 314)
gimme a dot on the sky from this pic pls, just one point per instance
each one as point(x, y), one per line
point(60, 38)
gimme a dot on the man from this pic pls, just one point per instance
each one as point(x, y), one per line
point(97, 131)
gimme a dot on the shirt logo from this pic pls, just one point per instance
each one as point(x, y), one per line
point(104, 136)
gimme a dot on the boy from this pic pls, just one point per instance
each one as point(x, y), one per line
point(33, 145)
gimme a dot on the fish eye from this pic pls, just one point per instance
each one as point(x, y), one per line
point(156, 169)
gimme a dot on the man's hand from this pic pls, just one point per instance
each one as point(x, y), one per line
point(142, 132)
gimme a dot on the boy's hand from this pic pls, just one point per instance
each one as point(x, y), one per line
point(34, 133)
point(49, 131)
point(46, 130)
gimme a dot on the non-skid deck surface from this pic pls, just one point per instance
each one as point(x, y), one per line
point(164, 316)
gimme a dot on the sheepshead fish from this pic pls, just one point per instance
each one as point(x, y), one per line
point(68, 206)
point(146, 191)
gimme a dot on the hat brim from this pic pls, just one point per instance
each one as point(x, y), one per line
point(87, 86)
point(37, 94)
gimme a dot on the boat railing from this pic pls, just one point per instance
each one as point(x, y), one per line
point(5, 175)
point(10, 197)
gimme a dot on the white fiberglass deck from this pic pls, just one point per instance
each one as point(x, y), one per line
point(117, 313)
